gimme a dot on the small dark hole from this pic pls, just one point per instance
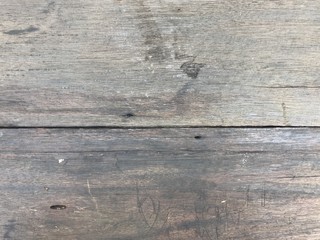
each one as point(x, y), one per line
point(58, 207)
point(128, 115)
point(198, 137)
point(179, 9)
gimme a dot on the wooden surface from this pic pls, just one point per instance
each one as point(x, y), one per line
point(159, 63)
point(160, 184)
point(159, 120)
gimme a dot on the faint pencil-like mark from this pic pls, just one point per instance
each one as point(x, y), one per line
point(263, 197)
point(117, 165)
point(247, 195)
point(239, 217)
point(206, 225)
point(93, 198)
point(218, 216)
point(155, 212)
point(227, 216)
point(166, 218)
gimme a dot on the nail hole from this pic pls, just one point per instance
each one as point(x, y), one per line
point(58, 207)
point(198, 137)
point(128, 115)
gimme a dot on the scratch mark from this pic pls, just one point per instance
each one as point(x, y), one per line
point(218, 217)
point(155, 208)
point(93, 198)
point(166, 218)
point(227, 216)
point(263, 197)
point(140, 204)
point(117, 165)
point(248, 195)
point(284, 114)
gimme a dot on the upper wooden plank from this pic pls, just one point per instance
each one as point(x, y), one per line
point(159, 63)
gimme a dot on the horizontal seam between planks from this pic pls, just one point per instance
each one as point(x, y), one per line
point(164, 127)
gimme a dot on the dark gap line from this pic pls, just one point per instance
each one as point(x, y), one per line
point(163, 127)
point(299, 176)
point(286, 87)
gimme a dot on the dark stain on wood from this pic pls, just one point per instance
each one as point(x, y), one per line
point(9, 229)
point(191, 68)
point(50, 8)
point(151, 33)
point(30, 29)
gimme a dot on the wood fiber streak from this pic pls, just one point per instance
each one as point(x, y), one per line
point(159, 63)
point(161, 184)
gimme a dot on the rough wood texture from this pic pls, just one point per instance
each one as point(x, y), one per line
point(202, 184)
point(159, 63)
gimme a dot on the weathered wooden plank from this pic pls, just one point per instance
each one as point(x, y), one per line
point(160, 184)
point(159, 63)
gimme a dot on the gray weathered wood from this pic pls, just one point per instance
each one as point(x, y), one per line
point(159, 184)
point(159, 62)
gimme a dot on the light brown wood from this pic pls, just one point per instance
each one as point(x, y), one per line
point(160, 184)
point(159, 63)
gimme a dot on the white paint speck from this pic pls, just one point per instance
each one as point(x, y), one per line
point(1, 134)
point(61, 160)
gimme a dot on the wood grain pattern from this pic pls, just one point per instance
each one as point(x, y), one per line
point(159, 63)
point(149, 71)
point(169, 184)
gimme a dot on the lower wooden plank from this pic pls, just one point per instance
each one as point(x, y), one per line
point(160, 184)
